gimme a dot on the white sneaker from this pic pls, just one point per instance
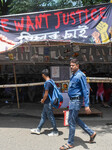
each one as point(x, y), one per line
point(53, 134)
point(35, 131)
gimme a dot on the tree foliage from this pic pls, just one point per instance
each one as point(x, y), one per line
point(64, 4)
point(18, 6)
point(89, 2)
point(4, 9)
point(24, 6)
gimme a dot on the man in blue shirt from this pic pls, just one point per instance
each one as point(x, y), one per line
point(47, 108)
point(77, 91)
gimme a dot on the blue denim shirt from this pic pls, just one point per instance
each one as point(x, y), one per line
point(78, 87)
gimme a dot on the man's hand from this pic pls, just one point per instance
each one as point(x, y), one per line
point(87, 110)
point(44, 97)
point(42, 101)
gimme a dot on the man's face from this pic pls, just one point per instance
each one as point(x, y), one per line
point(74, 67)
point(44, 76)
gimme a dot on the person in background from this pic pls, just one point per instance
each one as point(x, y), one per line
point(32, 91)
point(9, 93)
point(77, 90)
point(100, 93)
point(107, 92)
point(21, 92)
point(110, 98)
point(47, 108)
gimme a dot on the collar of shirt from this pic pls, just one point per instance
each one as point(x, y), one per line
point(75, 73)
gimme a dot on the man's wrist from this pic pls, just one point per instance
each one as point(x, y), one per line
point(43, 99)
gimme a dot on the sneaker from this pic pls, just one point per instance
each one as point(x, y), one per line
point(35, 131)
point(53, 134)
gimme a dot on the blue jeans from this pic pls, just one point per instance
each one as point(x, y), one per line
point(47, 113)
point(74, 108)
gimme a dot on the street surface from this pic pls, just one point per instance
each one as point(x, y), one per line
point(15, 132)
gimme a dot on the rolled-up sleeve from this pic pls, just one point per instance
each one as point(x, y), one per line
point(85, 90)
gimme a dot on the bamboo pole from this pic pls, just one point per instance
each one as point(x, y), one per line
point(89, 79)
point(15, 79)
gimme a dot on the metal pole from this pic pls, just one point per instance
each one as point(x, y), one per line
point(15, 79)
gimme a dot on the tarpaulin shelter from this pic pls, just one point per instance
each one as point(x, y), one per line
point(84, 26)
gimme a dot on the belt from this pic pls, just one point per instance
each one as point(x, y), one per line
point(76, 98)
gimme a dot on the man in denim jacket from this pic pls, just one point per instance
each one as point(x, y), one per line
point(77, 90)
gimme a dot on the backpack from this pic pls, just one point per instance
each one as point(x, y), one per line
point(57, 98)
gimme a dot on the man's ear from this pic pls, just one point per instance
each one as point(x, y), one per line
point(77, 66)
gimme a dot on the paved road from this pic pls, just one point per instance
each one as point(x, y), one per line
point(15, 134)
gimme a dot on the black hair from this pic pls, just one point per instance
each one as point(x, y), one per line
point(45, 72)
point(75, 61)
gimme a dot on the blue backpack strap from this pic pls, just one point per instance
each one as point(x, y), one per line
point(49, 82)
point(56, 93)
point(52, 82)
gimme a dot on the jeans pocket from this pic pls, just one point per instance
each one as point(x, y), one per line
point(75, 105)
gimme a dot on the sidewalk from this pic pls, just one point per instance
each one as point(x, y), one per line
point(15, 125)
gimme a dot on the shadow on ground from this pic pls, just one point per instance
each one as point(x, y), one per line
point(12, 119)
